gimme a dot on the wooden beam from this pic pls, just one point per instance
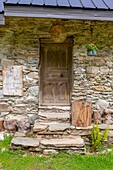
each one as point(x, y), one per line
point(60, 13)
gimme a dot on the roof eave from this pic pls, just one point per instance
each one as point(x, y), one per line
point(58, 13)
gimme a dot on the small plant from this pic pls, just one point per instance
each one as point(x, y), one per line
point(6, 142)
point(92, 46)
point(98, 138)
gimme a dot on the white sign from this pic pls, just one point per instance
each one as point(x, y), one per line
point(12, 81)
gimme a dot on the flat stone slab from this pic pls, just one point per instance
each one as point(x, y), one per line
point(110, 133)
point(64, 142)
point(66, 108)
point(84, 128)
point(39, 127)
point(55, 116)
point(50, 151)
point(20, 134)
point(101, 126)
point(58, 127)
point(25, 141)
point(104, 126)
point(4, 107)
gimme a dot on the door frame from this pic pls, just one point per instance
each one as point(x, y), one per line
point(45, 43)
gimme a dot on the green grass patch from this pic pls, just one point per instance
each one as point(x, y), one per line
point(10, 160)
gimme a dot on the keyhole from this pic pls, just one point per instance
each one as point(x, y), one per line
point(61, 75)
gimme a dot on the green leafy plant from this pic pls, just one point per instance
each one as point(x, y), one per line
point(6, 142)
point(92, 46)
point(98, 138)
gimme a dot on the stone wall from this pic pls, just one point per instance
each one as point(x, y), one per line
point(92, 76)
point(23, 108)
point(93, 80)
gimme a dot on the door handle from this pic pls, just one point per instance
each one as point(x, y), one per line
point(61, 75)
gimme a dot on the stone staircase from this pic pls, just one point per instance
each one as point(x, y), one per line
point(50, 134)
point(52, 121)
point(60, 114)
point(70, 145)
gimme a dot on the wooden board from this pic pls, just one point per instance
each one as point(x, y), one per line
point(81, 113)
point(12, 81)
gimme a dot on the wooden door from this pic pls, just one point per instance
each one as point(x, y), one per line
point(56, 72)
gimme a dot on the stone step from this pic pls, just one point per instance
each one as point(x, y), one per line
point(51, 126)
point(63, 142)
point(62, 117)
point(25, 141)
point(68, 144)
point(54, 108)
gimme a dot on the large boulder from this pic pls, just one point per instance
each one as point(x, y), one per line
point(17, 122)
point(10, 125)
point(101, 105)
point(23, 123)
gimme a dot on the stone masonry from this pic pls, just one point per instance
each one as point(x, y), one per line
point(92, 77)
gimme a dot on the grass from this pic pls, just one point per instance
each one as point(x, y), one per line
point(10, 160)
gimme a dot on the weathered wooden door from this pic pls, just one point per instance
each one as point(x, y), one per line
point(56, 72)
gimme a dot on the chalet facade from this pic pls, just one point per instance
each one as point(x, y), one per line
point(50, 89)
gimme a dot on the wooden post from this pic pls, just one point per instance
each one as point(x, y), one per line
point(81, 113)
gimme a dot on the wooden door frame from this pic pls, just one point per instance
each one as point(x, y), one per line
point(47, 43)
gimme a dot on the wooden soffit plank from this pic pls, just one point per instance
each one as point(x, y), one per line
point(2, 19)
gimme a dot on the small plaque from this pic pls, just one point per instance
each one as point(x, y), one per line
point(12, 81)
point(58, 33)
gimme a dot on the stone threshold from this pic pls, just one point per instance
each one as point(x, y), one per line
point(63, 107)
